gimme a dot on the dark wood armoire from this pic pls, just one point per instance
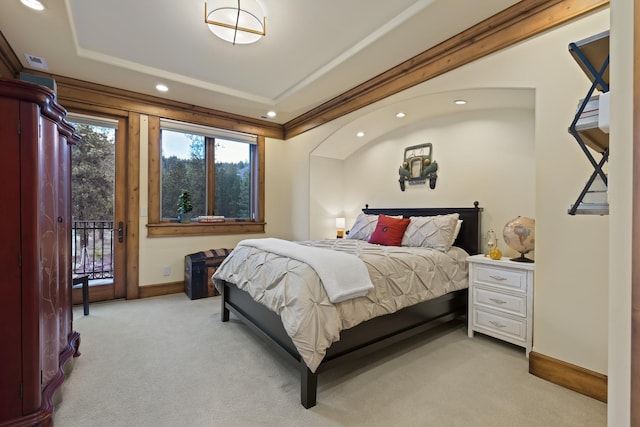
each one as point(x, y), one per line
point(37, 340)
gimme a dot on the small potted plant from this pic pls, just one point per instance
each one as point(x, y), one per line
point(185, 206)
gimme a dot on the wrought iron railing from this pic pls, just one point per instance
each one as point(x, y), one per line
point(92, 248)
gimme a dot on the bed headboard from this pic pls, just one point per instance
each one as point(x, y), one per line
point(470, 236)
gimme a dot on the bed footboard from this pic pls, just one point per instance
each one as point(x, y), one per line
point(358, 341)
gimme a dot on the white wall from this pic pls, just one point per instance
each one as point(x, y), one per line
point(486, 156)
point(620, 199)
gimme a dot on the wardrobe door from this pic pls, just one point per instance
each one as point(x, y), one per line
point(48, 224)
point(64, 242)
point(10, 289)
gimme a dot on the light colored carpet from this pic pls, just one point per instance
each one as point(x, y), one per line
point(170, 361)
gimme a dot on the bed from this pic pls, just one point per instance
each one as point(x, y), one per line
point(366, 336)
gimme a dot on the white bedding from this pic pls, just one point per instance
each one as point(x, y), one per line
point(343, 275)
point(402, 276)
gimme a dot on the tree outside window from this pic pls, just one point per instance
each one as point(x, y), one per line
point(216, 171)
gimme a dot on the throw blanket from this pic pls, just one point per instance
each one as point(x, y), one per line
point(344, 276)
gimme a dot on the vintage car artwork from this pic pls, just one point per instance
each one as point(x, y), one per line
point(418, 166)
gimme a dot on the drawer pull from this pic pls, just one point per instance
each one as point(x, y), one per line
point(497, 324)
point(497, 301)
point(498, 278)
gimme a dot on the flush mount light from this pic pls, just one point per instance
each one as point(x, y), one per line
point(236, 21)
point(162, 87)
point(33, 4)
point(459, 102)
point(271, 114)
point(360, 134)
point(400, 115)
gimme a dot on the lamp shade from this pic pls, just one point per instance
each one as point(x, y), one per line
point(236, 21)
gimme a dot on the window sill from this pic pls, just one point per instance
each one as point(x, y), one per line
point(194, 228)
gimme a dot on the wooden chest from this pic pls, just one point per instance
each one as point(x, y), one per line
point(198, 269)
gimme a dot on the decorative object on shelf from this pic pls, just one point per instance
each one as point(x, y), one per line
point(490, 240)
point(185, 206)
point(519, 235)
point(236, 21)
point(418, 166)
point(340, 224)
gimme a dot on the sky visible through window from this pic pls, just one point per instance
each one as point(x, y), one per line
point(177, 144)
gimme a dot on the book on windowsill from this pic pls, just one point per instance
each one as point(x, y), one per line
point(211, 218)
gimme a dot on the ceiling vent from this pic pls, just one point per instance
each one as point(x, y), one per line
point(36, 62)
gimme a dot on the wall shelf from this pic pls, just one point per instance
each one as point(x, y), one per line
point(589, 127)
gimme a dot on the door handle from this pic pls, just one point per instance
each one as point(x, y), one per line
point(120, 231)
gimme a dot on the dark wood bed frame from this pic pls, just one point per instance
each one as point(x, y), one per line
point(368, 336)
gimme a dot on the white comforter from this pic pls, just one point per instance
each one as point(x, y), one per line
point(402, 276)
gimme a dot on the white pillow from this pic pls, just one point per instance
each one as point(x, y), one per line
point(434, 232)
point(364, 226)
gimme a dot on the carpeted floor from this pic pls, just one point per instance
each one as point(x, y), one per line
point(169, 361)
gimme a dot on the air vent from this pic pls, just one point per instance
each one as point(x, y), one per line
point(36, 62)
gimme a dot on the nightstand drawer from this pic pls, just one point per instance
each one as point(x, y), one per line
point(513, 304)
point(514, 328)
point(502, 277)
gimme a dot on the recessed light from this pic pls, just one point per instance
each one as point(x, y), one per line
point(162, 87)
point(360, 134)
point(33, 4)
point(459, 102)
point(400, 115)
point(271, 114)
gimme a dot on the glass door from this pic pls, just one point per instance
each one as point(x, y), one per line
point(97, 188)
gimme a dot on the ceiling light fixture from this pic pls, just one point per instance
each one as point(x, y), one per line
point(400, 115)
point(236, 21)
point(33, 4)
point(162, 88)
point(271, 114)
point(459, 102)
point(360, 134)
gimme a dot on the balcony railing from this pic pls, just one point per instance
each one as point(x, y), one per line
point(92, 248)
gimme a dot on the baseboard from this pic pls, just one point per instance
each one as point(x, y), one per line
point(161, 289)
point(570, 376)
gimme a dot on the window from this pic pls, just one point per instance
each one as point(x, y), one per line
point(222, 171)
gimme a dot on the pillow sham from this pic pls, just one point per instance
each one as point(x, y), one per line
point(389, 231)
point(434, 232)
point(364, 226)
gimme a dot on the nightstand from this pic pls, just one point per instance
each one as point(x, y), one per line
point(501, 299)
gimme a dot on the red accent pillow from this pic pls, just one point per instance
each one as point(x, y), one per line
point(389, 231)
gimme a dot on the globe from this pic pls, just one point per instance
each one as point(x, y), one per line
point(519, 235)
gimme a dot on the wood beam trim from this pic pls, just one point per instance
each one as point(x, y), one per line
point(132, 238)
point(10, 65)
point(82, 95)
point(570, 376)
point(161, 289)
point(517, 23)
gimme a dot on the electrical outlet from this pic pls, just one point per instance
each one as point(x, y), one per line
point(166, 271)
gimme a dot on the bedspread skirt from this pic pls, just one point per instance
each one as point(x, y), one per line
point(402, 276)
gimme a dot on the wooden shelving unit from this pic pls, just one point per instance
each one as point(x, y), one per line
point(592, 55)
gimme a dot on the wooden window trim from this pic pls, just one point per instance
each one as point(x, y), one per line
point(156, 227)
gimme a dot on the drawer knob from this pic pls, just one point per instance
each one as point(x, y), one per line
point(499, 278)
point(497, 301)
point(497, 324)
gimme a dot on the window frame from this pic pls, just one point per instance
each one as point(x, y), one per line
point(156, 227)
